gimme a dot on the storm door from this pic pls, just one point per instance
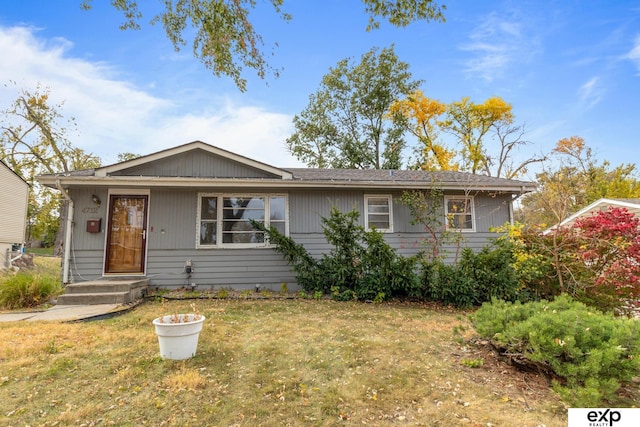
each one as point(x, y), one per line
point(126, 234)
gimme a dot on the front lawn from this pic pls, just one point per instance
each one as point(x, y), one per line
point(268, 362)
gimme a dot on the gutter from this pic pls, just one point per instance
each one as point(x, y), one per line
point(209, 183)
point(67, 235)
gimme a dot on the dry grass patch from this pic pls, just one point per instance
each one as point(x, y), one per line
point(262, 362)
point(185, 379)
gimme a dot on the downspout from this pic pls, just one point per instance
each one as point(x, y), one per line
point(513, 199)
point(67, 235)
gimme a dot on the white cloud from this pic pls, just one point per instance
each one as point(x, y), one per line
point(114, 116)
point(246, 130)
point(496, 44)
point(634, 53)
point(591, 92)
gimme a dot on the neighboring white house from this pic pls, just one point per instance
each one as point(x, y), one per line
point(632, 205)
point(14, 198)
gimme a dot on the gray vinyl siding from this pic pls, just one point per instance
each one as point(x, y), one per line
point(85, 209)
point(172, 219)
point(171, 237)
point(196, 163)
point(306, 209)
point(220, 268)
point(86, 265)
point(491, 211)
point(410, 244)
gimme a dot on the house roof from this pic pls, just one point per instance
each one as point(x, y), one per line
point(632, 205)
point(403, 178)
point(14, 172)
point(282, 177)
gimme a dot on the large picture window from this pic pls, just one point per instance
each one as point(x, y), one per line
point(225, 219)
point(379, 214)
point(459, 213)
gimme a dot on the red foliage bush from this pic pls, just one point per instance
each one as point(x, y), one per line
point(608, 245)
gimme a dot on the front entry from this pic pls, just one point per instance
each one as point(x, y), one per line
point(126, 234)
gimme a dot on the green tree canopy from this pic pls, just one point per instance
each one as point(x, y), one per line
point(33, 142)
point(225, 40)
point(126, 156)
point(346, 124)
point(575, 180)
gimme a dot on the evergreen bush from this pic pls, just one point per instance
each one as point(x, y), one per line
point(592, 352)
point(447, 284)
point(361, 264)
point(477, 278)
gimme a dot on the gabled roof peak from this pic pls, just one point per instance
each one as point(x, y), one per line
point(194, 145)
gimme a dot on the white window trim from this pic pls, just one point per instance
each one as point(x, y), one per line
point(366, 211)
point(220, 245)
point(473, 214)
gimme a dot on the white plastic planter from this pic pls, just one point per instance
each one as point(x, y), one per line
point(178, 339)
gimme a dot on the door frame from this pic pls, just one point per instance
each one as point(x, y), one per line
point(126, 192)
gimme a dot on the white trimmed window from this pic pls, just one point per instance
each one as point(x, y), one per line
point(379, 214)
point(459, 213)
point(224, 219)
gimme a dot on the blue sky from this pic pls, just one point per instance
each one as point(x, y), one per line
point(567, 67)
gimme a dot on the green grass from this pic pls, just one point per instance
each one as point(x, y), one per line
point(40, 251)
point(267, 362)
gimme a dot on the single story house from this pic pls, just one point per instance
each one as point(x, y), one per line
point(181, 216)
point(14, 200)
point(632, 205)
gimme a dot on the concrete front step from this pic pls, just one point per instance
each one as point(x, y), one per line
point(94, 299)
point(104, 292)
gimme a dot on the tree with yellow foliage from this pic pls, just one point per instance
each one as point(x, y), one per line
point(422, 114)
point(484, 135)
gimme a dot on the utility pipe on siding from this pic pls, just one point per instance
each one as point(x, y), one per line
point(67, 235)
point(513, 199)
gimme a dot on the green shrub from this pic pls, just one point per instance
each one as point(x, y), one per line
point(361, 264)
point(305, 267)
point(477, 278)
point(594, 353)
point(493, 273)
point(499, 315)
point(533, 260)
point(382, 272)
point(347, 295)
point(342, 266)
point(26, 289)
point(447, 284)
point(404, 278)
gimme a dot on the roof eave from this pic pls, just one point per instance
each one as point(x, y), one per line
point(590, 207)
point(176, 182)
